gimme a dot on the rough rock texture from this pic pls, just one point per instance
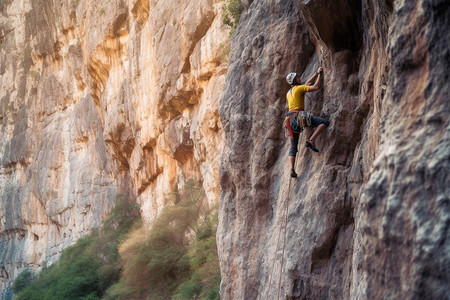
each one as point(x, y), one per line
point(113, 96)
point(99, 98)
point(369, 216)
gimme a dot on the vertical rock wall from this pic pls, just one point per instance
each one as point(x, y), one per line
point(106, 97)
point(368, 217)
point(99, 98)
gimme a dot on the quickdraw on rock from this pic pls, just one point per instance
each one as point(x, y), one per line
point(295, 121)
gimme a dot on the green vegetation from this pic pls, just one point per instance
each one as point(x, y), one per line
point(86, 269)
point(232, 10)
point(22, 281)
point(205, 277)
point(225, 49)
point(165, 257)
point(175, 259)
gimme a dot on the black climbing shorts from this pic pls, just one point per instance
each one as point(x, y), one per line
point(315, 121)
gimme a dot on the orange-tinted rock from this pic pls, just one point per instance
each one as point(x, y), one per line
point(87, 91)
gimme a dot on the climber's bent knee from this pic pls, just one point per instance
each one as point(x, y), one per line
point(316, 121)
point(293, 151)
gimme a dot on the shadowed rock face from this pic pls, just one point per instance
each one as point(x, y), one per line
point(99, 98)
point(368, 217)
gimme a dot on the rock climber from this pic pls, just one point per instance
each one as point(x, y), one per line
point(297, 118)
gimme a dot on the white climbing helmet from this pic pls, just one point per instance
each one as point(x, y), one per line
point(290, 77)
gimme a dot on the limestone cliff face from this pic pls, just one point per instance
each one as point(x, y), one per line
point(114, 96)
point(100, 98)
point(368, 217)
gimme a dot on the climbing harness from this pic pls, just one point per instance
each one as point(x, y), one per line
point(286, 211)
point(296, 120)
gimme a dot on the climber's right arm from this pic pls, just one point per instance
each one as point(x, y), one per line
point(316, 85)
point(310, 81)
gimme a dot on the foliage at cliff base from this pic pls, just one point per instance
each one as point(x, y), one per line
point(123, 259)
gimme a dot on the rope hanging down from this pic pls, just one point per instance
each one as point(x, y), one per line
point(286, 210)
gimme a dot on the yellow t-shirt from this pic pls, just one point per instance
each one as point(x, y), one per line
point(296, 97)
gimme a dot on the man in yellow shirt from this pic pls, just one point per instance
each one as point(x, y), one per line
point(296, 100)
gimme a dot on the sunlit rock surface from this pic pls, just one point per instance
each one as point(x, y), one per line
point(100, 98)
point(105, 97)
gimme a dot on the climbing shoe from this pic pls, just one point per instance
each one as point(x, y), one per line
point(311, 146)
point(293, 174)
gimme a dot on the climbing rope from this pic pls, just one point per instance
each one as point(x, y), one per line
point(286, 210)
point(286, 213)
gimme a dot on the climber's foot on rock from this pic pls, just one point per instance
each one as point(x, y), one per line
point(293, 174)
point(310, 144)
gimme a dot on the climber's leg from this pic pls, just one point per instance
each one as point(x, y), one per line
point(316, 133)
point(321, 124)
point(292, 161)
point(293, 152)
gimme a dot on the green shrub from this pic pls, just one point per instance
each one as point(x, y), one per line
point(225, 49)
point(171, 259)
point(189, 289)
point(22, 281)
point(204, 280)
point(232, 10)
point(72, 277)
point(156, 258)
point(87, 268)
point(123, 259)
point(114, 230)
point(119, 291)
